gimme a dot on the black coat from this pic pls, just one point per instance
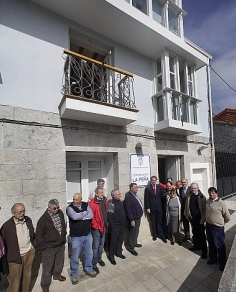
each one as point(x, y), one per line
point(152, 201)
point(183, 199)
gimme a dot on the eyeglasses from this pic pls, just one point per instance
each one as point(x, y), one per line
point(183, 182)
point(20, 212)
point(55, 208)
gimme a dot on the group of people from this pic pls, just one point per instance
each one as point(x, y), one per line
point(173, 206)
point(90, 221)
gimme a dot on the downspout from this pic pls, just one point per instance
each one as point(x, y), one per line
point(213, 164)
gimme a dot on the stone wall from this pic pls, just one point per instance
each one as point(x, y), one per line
point(33, 146)
point(224, 137)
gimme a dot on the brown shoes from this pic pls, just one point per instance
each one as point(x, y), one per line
point(61, 278)
point(45, 290)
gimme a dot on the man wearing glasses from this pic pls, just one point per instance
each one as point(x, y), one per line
point(18, 235)
point(183, 192)
point(51, 239)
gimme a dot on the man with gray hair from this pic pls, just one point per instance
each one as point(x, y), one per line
point(51, 239)
point(116, 220)
point(195, 212)
point(18, 235)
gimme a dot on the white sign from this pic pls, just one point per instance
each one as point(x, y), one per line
point(140, 169)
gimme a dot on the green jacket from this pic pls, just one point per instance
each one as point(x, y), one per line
point(201, 204)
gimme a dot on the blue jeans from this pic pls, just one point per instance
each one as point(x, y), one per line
point(98, 243)
point(216, 242)
point(78, 243)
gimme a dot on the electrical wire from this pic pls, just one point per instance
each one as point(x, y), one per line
point(222, 79)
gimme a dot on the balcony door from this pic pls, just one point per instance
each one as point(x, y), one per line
point(83, 170)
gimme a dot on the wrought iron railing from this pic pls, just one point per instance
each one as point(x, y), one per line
point(88, 78)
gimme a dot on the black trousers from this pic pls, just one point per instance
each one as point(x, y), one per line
point(116, 239)
point(133, 234)
point(199, 236)
point(186, 225)
point(157, 227)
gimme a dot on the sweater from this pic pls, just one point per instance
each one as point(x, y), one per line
point(201, 204)
point(9, 236)
point(47, 235)
point(217, 213)
point(116, 213)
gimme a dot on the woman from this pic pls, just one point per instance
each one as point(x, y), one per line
point(167, 191)
point(173, 216)
point(178, 186)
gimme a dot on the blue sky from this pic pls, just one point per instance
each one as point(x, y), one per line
point(212, 25)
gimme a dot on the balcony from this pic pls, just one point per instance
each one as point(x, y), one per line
point(176, 113)
point(96, 92)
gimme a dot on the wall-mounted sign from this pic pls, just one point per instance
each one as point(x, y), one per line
point(140, 169)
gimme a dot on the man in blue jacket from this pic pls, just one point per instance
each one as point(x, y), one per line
point(134, 212)
point(153, 197)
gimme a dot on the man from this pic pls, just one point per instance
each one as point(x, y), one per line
point(217, 214)
point(153, 197)
point(100, 184)
point(116, 220)
point(195, 212)
point(51, 239)
point(18, 235)
point(99, 207)
point(183, 192)
point(80, 215)
point(134, 212)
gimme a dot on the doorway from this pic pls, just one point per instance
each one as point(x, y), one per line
point(168, 166)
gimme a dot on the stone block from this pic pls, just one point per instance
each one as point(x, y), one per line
point(6, 112)
point(75, 137)
point(15, 172)
point(10, 156)
point(10, 189)
point(46, 171)
point(17, 136)
point(45, 186)
point(29, 115)
point(48, 138)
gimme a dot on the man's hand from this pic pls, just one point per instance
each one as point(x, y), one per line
point(201, 222)
point(187, 218)
point(132, 223)
point(149, 211)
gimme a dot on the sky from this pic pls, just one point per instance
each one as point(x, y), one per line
point(211, 24)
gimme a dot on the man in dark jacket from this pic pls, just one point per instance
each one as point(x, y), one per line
point(116, 220)
point(183, 192)
point(153, 197)
point(18, 236)
point(51, 239)
point(134, 212)
point(80, 215)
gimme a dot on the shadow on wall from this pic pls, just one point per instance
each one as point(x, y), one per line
point(85, 134)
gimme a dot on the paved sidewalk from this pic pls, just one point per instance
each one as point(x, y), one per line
point(158, 267)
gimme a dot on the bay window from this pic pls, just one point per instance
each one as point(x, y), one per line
point(140, 5)
point(158, 11)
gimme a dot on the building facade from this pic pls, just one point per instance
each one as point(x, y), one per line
point(86, 83)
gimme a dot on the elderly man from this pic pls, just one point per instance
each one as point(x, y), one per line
point(217, 214)
point(80, 215)
point(116, 220)
point(99, 207)
point(195, 212)
point(100, 184)
point(153, 197)
point(18, 235)
point(51, 239)
point(183, 192)
point(134, 212)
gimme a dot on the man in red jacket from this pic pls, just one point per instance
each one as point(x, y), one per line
point(99, 207)
point(18, 236)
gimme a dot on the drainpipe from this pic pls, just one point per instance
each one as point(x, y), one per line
point(213, 165)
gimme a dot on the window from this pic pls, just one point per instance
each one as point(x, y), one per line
point(159, 74)
point(190, 81)
point(140, 5)
point(158, 11)
point(173, 21)
point(175, 107)
point(184, 110)
point(160, 109)
point(193, 113)
point(172, 72)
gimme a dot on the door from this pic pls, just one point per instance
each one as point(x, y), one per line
point(84, 169)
